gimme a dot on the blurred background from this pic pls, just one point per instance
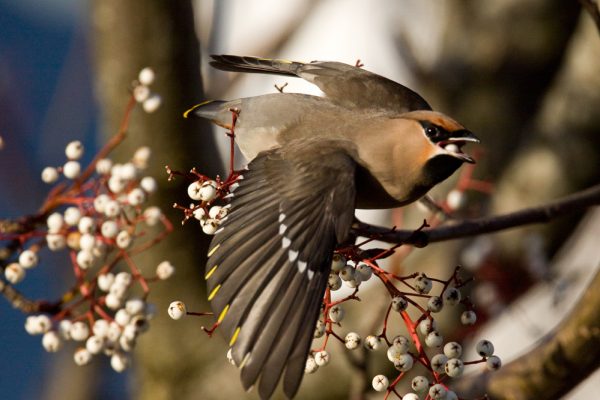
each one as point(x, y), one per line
point(522, 74)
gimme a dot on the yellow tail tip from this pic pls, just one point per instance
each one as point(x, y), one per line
point(187, 113)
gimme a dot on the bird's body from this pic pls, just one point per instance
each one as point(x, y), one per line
point(370, 143)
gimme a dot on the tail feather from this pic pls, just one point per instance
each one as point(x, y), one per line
point(255, 65)
point(217, 111)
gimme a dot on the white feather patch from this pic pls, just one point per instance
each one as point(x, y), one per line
point(310, 274)
point(285, 242)
point(301, 266)
point(282, 229)
point(292, 255)
point(281, 217)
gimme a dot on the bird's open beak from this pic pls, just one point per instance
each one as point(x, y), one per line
point(453, 145)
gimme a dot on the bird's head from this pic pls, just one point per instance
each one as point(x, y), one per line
point(445, 135)
point(444, 138)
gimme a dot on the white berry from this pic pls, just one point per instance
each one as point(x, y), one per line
point(380, 383)
point(149, 184)
point(372, 342)
point(152, 103)
point(404, 362)
point(152, 215)
point(336, 313)
point(141, 93)
point(452, 296)
point(338, 262)
point(103, 166)
point(72, 169)
point(49, 175)
point(453, 350)
point(105, 281)
point(177, 310)
point(119, 362)
point(146, 76)
point(419, 383)
point(311, 365)
point(427, 325)
point(455, 199)
point(334, 281)
point(423, 284)
point(193, 190)
point(14, 273)
point(109, 229)
point(434, 339)
point(74, 150)
point(82, 356)
point(79, 331)
point(454, 367)
point(484, 348)
point(364, 271)
point(123, 240)
point(165, 270)
point(85, 259)
point(136, 197)
point(468, 318)
point(438, 363)
point(135, 306)
point(86, 225)
point(56, 241)
point(437, 392)
point(399, 304)
point(210, 226)
point(352, 340)
point(51, 341)
point(208, 190)
point(72, 216)
point(94, 344)
point(493, 363)
point(435, 304)
point(100, 328)
point(28, 259)
point(401, 343)
point(322, 358)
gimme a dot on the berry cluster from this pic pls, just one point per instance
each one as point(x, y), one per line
point(99, 218)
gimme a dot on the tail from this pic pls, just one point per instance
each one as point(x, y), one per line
point(217, 111)
point(255, 65)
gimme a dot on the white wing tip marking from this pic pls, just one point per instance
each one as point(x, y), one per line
point(285, 242)
point(281, 217)
point(302, 266)
point(310, 274)
point(292, 255)
point(282, 229)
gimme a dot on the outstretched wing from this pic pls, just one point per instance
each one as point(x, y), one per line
point(269, 263)
point(344, 84)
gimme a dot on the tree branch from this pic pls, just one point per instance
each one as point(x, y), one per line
point(535, 215)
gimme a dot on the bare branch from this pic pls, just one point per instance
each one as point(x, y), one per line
point(535, 215)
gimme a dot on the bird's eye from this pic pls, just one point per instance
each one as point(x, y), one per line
point(432, 131)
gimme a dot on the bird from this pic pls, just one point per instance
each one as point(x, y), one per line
point(369, 142)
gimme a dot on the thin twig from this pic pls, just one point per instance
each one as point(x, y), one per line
point(576, 202)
